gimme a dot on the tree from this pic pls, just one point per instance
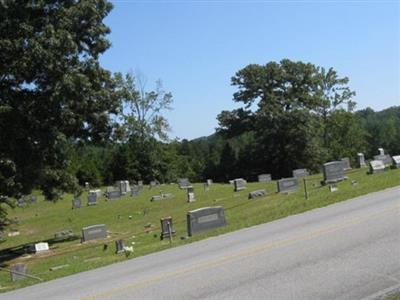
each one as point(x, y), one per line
point(53, 89)
point(293, 102)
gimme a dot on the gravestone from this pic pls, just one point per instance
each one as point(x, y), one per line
point(156, 198)
point(333, 172)
point(76, 203)
point(87, 186)
point(385, 158)
point(231, 181)
point(184, 183)
point(381, 151)
point(206, 218)
point(64, 235)
point(97, 192)
point(119, 246)
point(166, 228)
point(21, 202)
point(239, 184)
point(257, 194)
point(92, 199)
point(123, 186)
point(167, 196)
point(361, 160)
point(333, 188)
point(135, 190)
point(286, 185)
point(94, 232)
point(190, 194)
point(300, 173)
point(153, 184)
point(264, 178)
point(376, 166)
point(346, 163)
point(20, 270)
point(33, 199)
point(396, 161)
point(40, 247)
point(112, 195)
point(140, 183)
point(209, 182)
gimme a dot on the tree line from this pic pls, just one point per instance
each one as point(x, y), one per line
point(65, 120)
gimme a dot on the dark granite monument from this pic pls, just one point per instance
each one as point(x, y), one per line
point(94, 232)
point(286, 185)
point(204, 219)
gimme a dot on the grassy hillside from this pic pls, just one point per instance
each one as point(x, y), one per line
point(125, 219)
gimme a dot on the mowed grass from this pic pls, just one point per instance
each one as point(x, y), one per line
point(125, 219)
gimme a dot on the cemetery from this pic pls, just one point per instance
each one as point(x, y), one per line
point(58, 239)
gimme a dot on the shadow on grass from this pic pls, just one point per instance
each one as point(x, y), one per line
point(17, 251)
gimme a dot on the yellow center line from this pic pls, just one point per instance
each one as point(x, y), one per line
point(244, 253)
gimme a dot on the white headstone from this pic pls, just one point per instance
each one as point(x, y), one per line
point(40, 247)
point(381, 151)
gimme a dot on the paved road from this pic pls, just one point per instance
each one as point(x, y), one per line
point(349, 250)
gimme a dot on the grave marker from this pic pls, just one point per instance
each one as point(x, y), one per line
point(76, 203)
point(18, 272)
point(333, 188)
point(112, 195)
point(135, 190)
point(119, 246)
point(190, 194)
point(167, 196)
point(94, 232)
point(204, 219)
point(184, 183)
point(333, 172)
point(167, 228)
point(346, 163)
point(209, 182)
point(396, 161)
point(239, 184)
point(257, 194)
point(156, 198)
point(300, 173)
point(361, 160)
point(264, 178)
point(376, 166)
point(385, 158)
point(92, 199)
point(286, 185)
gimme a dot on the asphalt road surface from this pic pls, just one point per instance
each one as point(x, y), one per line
point(349, 250)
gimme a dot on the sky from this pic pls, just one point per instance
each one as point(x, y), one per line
point(196, 46)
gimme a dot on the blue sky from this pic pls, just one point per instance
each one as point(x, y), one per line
point(195, 47)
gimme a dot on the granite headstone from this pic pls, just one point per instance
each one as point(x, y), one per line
point(94, 232)
point(204, 219)
point(333, 172)
point(286, 185)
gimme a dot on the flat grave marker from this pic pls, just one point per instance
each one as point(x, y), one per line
point(257, 194)
point(156, 198)
point(204, 219)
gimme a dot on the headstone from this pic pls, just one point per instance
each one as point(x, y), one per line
point(97, 192)
point(204, 219)
point(381, 151)
point(87, 186)
point(140, 183)
point(153, 184)
point(333, 188)
point(385, 158)
point(76, 203)
point(346, 163)
point(231, 181)
point(64, 235)
point(166, 227)
point(396, 161)
point(376, 166)
point(239, 184)
point(21, 269)
point(94, 232)
point(33, 199)
point(361, 160)
point(354, 182)
point(209, 182)
point(167, 196)
point(92, 199)
point(112, 195)
point(264, 178)
point(300, 173)
point(333, 172)
point(190, 194)
point(123, 186)
point(257, 194)
point(119, 246)
point(184, 183)
point(41, 247)
point(286, 185)
point(21, 202)
point(156, 198)
point(135, 190)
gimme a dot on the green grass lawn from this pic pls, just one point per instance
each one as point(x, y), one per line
point(40, 221)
